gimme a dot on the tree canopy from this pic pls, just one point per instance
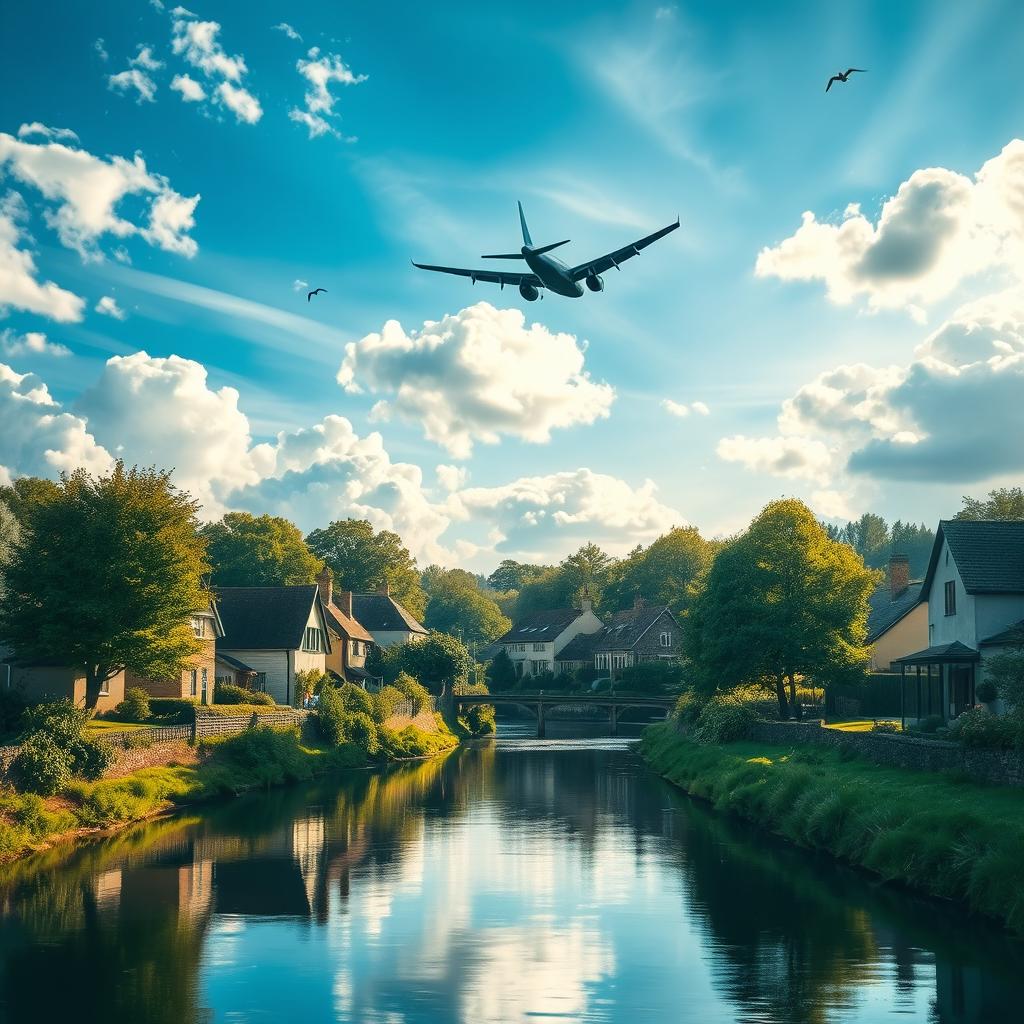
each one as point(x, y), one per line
point(363, 560)
point(1002, 503)
point(457, 604)
point(563, 586)
point(10, 533)
point(258, 551)
point(512, 575)
point(876, 542)
point(782, 600)
point(438, 661)
point(110, 578)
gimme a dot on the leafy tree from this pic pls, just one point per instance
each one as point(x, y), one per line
point(1002, 503)
point(27, 493)
point(457, 605)
point(438, 660)
point(869, 537)
point(512, 575)
point(584, 572)
point(664, 573)
point(109, 579)
point(781, 601)
point(501, 673)
point(258, 551)
point(363, 561)
point(10, 532)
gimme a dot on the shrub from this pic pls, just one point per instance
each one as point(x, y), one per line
point(228, 693)
point(172, 710)
point(330, 716)
point(135, 707)
point(723, 719)
point(986, 691)
point(385, 703)
point(355, 698)
point(360, 730)
point(978, 727)
point(90, 759)
point(414, 691)
point(688, 707)
point(931, 724)
point(889, 727)
point(262, 755)
point(42, 765)
point(307, 683)
point(61, 720)
point(651, 676)
point(479, 719)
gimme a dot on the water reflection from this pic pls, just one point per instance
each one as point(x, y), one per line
point(509, 881)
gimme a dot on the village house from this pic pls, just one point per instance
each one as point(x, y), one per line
point(897, 618)
point(385, 619)
point(41, 682)
point(974, 589)
point(276, 632)
point(534, 642)
point(350, 642)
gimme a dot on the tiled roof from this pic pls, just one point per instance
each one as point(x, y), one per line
point(955, 651)
point(626, 628)
point(541, 626)
point(1011, 635)
point(989, 554)
point(345, 625)
point(580, 647)
point(885, 610)
point(381, 613)
point(264, 618)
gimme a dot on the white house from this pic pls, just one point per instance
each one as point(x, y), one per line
point(533, 642)
point(276, 632)
point(974, 589)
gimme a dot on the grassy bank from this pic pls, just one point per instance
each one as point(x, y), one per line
point(946, 837)
point(258, 758)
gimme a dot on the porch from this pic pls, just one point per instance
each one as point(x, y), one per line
point(937, 681)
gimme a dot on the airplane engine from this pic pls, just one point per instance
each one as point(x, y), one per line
point(529, 292)
point(595, 283)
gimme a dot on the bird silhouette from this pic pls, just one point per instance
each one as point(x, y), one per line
point(315, 291)
point(843, 76)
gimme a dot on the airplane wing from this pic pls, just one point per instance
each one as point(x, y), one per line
point(613, 259)
point(502, 277)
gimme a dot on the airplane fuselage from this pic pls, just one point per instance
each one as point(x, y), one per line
point(553, 273)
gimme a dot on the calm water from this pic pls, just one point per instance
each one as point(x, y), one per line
point(521, 880)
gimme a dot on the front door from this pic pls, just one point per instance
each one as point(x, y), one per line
point(961, 688)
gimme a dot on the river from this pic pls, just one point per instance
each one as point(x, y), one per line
point(515, 880)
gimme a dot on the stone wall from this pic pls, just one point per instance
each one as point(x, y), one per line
point(1002, 767)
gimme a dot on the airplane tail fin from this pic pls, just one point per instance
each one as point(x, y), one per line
point(527, 240)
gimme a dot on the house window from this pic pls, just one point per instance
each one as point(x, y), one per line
point(538, 666)
point(199, 626)
point(538, 647)
point(950, 594)
point(311, 641)
point(105, 688)
point(517, 648)
point(193, 678)
point(261, 682)
point(666, 639)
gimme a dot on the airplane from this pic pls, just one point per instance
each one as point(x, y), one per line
point(549, 271)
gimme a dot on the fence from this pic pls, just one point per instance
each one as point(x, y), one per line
point(878, 698)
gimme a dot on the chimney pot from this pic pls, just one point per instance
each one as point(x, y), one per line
point(344, 601)
point(899, 575)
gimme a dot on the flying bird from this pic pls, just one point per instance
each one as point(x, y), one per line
point(315, 291)
point(843, 76)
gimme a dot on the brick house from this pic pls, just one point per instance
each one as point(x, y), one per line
point(39, 682)
point(643, 633)
point(350, 642)
point(535, 642)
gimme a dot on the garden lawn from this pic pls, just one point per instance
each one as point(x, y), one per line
point(945, 836)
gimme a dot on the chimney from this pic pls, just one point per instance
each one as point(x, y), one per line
point(639, 604)
point(385, 589)
point(586, 604)
point(899, 575)
point(344, 601)
point(326, 583)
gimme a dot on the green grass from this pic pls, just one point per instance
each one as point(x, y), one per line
point(948, 837)
point(233, 710)
point(858, 724)
point(102, 725)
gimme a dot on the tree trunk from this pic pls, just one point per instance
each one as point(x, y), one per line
point(780, 692)
point(794, 703)
point(95, 677)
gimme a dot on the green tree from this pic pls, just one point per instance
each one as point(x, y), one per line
point(1002, 503)
point(27, 493)
point(869, 537)
point(781, 601)
point(109, 578)
point(512, 575)
point(363, 560)
point(258, 551)
point(501, 673)
point(10, 533)
point(457, 605)
point(438, 660)
point(586, 571)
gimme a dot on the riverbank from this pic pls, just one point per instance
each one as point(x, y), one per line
point(936, 833)
point(259, 758)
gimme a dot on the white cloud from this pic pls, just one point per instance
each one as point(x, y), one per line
point(682, 410)
point(299, 285)
point(135, 80)
point(320, 72)
point(19, 287)
point(32, 343)
point(451, 478)
point(939, 229)
point(287, 30)
point(101, 50)
point(39, 438)
point(549, 516)
point(87, 190)
point(197, 43)
point(701, 409)
point(191, 91)
point(108, 307)
point(783, 456)
point(144, 59)
point(477, 375)
point(37, 128)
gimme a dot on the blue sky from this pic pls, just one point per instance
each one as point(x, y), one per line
point(607, 121)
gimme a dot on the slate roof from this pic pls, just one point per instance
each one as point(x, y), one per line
point(580, 647)
point(989, 554)
point(955, 651)
point(626, 628)
point(885, 610)
point(540, 626)
point(345, 625)
point(265, 618)
point(381, 613)
point(1011, 635)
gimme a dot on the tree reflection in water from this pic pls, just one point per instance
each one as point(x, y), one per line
point(495, 883)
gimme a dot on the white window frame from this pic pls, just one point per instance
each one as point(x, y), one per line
point(666, 638)
point(199, 627)
point(312, 640)
point(539, 646)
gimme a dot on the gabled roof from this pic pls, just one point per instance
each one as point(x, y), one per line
point(239, 666)
point(580, 647)
point(885, 610)
point(626, 628)
point(989, 554)
point(942, 653)
point(381, 613)
point(541, 626)
point(345, 625)
point(1012, 635)
point(266, 618)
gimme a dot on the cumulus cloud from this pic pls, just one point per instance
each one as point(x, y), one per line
point(940, 228)
point(476, 375)
point(133, 80)
point(782, 456)
point(19, 285)
point(86, 190)
point(548, 516)
point(320, 72)
point(38, 128)
point(197, 43)
point(108, 306)
point(39, 438)
point(451, 478)
point(287, 30)
point(32, 343)
point(144, 59)
point(298, 285)
point(681, 410)
point(191, 91)
point(101, 50)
